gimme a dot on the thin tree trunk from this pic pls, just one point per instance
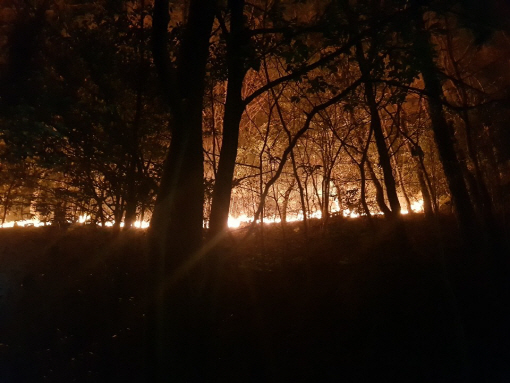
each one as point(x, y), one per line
point(427, 201)
point(7, 203)
point(428, 183)
point(285, 204)
point(417, 156)
point(293, 160)
point(384, 158)
point(6, 208)
point(297, 136)
point(361, 166)
point(131, 197)
point(375, 124)
point(401, 180)
point(379, 191)
point(325, 195)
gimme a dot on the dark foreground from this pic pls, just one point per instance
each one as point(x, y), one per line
point(348, 304)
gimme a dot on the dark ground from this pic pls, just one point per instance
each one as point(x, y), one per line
point(348, 304)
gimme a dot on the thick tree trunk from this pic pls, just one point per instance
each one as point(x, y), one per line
point(178, 215)
point(444, 139)
point(175, 350)
point(234, 107)
point(480, 192)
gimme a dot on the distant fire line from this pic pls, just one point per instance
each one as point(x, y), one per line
point(233, 222)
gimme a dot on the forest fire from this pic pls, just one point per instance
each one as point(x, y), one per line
point(241, 220)
point(307, 136)
point(83, 220)
point(377, 129)
point(233, 222)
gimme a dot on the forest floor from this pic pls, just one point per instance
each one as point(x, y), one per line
point(347, 302)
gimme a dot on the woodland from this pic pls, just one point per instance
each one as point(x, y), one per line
point(265, 190)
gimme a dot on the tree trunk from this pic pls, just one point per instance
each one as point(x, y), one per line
point(427, 200)
point(6, 209)
point(399, 175)
point(402, 185)
point(7, 203)
point(481, 195)
point(175, 235)
point(363, 180)
point(300, 188)
point(285, 204)
point(428, 183)
point(384, 158)
point(417, 156)
point(444, 139)
point(178, 214)
point(293, 160)
point(326, 179)
point(379, 191)
point(131, 197)
point(375, 125)
point(234, 108)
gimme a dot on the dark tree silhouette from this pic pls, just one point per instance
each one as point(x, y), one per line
point(175, 236)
